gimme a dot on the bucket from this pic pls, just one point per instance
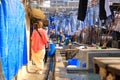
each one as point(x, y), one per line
point(52, 50)
point(83, 64)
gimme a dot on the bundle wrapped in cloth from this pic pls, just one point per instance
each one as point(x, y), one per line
point(37, 13)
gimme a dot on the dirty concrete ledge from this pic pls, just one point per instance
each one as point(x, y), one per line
point(60, 72)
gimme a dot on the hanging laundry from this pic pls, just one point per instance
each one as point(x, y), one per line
point(107, 8)
point(102, 11)
point(63, 25)
point(56, 21)
point(89, 16)
point(25, 59)
point(68, 22)
point(73, 19)
point(96, 14)
point(12, 37)
point(82, 9)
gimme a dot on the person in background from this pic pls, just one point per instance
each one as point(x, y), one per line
point(39, 40)
point(52, 31)
point(62, 37)
point(52, 34)
point(84, 36)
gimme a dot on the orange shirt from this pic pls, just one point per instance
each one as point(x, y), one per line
point(39, 42)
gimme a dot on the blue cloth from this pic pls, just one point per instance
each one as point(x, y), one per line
point(25, 61)
point(96, 14)
point(52, 50)
point(12, 39)
point(51, 65)
point(90, 16)
point(66, 36)
point(69, 21)
point(60, 36)
point(74, 62)
point(84, 64)
point(52, 27)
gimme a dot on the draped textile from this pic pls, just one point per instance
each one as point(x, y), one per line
point(12, 37)
point(82, 9)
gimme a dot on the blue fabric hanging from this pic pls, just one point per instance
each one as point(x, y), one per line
point(12, 25)
point(90, 17)
point(25, 59)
